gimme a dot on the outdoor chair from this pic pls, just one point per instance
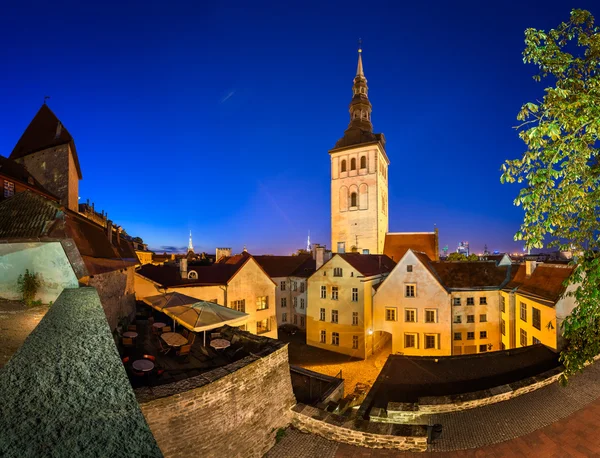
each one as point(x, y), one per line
point(132, 327)
point(191, 338)
point(184, 350)
point(166, 329)
point(185, 333)
point(215, 335)
point(127, 342)
point(149, 357)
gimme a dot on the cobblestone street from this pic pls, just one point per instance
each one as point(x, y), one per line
point(551, 422)
point(330, 363)
point(16, 323)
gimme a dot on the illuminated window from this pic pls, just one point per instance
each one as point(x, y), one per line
point(9, 188)
point(344, 165)
point(263, 326)
point(363, 162)
point(262, 303)
point(353, 164)
point(240, 306)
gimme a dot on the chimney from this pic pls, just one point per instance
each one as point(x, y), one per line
point(319, 256)
point(109, 231)
point(222, 252)
point(530, 267)
point(183, 267)
point(437, 244)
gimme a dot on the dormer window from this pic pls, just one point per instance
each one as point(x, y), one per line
point(192, 275)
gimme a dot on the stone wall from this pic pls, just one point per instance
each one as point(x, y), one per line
point(232, 411)
point(355, 431)
point(117, 294)
point(401, 413)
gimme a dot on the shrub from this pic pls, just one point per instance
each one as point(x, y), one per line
point(28, 285)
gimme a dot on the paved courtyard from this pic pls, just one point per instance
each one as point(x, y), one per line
point(330, 363)
point(550, 422)
point(16, 323)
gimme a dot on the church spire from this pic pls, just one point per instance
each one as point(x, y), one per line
point(190, 245)
point(360, 107)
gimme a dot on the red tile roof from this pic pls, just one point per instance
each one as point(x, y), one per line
point(369, 264)
point(287, 266)
point(169, 275)
point(397, 244)
point(467, 275)
point(546, 282)
point(43, 132)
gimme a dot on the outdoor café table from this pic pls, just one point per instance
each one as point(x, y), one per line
point(219, 344)
point(143, 365)
point(130, 334)
point(173, 339)
point(159, 325)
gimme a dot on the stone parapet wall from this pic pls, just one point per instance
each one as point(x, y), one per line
point(355, 431)
point(401, 413)
point(232, 411)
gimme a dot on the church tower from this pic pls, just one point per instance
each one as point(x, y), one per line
point(359, 179)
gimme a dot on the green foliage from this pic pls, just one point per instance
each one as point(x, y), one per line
point(36, 303)
point(279, 435)
point(560, 169)
point(456, 257)
point(473, 257)
point(28, 285)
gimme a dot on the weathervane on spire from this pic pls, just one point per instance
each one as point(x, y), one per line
point(360, 45)
point(46, 97)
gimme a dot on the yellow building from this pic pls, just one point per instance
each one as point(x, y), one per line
point(534, 305)
point(237, 282)
point(359, 186)
point(340, 292)
point(440, 308)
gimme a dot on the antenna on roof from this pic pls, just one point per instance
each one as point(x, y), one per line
point(46, 97)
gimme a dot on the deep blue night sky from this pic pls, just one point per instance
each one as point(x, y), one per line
point(217, 117)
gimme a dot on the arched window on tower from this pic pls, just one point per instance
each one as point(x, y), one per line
point(353, 163)
point(353, 200)
point(344, 165)
point(363, 162)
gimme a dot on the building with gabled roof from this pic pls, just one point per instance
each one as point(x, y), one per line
point(534, 303)
point(14, 178)
point(398, 243)
point(289, 274)
point(340, 292)
point(64, 249)
point(238, 282)
point(48, 151)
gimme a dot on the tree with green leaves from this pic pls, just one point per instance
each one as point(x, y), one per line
point(560, 169)
point(456, 257)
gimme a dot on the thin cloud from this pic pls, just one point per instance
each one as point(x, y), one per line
point(228, 96)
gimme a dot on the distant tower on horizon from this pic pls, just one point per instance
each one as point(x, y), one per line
point(308, 245)
point(190, 245)
point(359, 179)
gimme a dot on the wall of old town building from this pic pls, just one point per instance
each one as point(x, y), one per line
point(231, 411)
point(117, 294)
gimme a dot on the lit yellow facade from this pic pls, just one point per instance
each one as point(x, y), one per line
point(145, 257)
point(475, 321)
point(359, 199)
point(250, 284)
point(405, 317)
point(507, 320)
point(341, 324)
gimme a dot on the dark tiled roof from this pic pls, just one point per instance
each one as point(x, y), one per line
point(27, 215)
point(546, 281)
point(41, 133)
point(235, 259)
point(517, 276)
point(19, 173)
point(357, 136)
point(407, 378)
point(466, 275)
point(169, 275)
point(369, 264)
point(397, 244)
point(286, 266)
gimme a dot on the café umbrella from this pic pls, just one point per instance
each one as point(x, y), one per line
point(203, 316)
point(161, 302)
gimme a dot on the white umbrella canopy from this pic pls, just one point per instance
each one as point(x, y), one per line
point(204, 316)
